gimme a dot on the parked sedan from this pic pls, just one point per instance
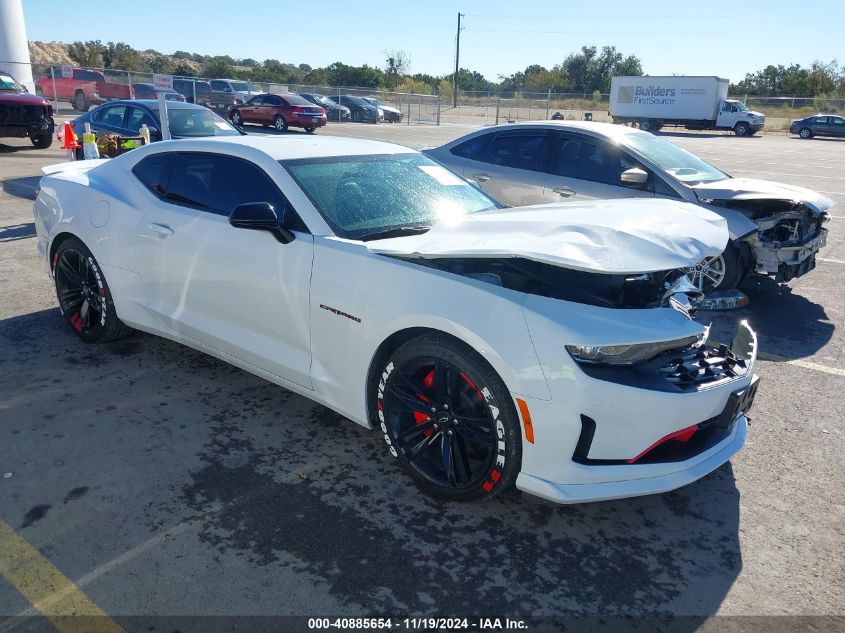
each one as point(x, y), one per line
point(280, 111)
point(125, 118)
point(360, 110)
point(819, 125)
point(148, 91)
point(334, 111)
point(391, 114)
point(354, 273)
point(775, 229)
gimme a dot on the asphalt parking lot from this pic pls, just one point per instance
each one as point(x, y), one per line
point(155, 480)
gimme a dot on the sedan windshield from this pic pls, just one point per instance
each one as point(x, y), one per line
point(676, 162)
point(198, 122)
point(364, 197)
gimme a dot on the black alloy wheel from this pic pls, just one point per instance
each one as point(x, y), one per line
point(448, 418)
point(84, 297)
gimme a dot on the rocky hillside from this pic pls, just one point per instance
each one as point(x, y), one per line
point(49, 53)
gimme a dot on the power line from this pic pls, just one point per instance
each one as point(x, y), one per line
point(602, 18)
point(616, 33)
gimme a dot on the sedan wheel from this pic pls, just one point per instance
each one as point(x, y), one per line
point(722, 272)
point(310, 130)
point(448, 418)
point(805, 132)
point(280, 124)
point(236, 118)
point(84, 297)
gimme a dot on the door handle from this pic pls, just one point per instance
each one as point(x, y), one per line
point(162, 230)
point(482, 177)
point(564, 192)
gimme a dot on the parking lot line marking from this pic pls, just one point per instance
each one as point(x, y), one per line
point(47, 589)
point(830, 261)
point(805, 364)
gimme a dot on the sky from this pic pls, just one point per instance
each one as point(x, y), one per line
point(500, 37)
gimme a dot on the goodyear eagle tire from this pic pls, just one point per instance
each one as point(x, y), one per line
point(84, 296)
point(449, 419)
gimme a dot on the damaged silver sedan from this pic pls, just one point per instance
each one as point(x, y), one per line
point(775, 229)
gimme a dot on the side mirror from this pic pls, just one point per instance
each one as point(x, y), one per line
point(634, 176)
point(260, 216)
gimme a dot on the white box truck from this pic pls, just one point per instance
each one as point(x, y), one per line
point(696, 103)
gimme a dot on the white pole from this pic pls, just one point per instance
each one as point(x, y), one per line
point(14, 47)
point(162, 115)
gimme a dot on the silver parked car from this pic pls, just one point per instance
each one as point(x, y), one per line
point(775, 229)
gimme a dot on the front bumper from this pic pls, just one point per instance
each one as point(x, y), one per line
point(637, 481)
point(600, 436)
point(787, 262)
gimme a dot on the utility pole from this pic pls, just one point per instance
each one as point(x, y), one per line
point(457, 63)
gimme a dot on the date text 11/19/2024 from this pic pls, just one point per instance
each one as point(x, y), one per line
point(418, 624)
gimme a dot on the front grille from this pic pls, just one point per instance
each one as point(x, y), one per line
point(11, 114)
point(694, 367)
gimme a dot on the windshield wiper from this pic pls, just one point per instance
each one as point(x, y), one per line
point(398, 231)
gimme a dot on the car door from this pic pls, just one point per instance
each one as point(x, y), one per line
point(110, 119)
point(584, 168)
point(837, 126)
point(253, 110)
point(272, 107)
point(511, 166)
point(235, 290)
point(136, 117)
point(821, 126)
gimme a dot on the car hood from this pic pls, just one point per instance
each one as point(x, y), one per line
point(608, 236)
point(390, 109)
point(23, 99)
point(752, 189)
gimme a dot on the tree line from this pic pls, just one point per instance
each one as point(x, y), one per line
point(586, 71)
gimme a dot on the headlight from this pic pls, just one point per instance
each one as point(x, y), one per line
point(629, 354)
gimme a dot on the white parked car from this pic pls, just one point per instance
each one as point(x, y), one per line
point(775, 229)
point(550, 348)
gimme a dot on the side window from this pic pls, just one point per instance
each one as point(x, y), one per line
point(589, 160)
point(257, 101)
point(154, 172)
point(218, 184)
point(217, 85)
point(837, 120)
point(522, 151)
point(274, 101)
point(138, 117)
point(821, 120)
point(471, 148)
point(113, 116)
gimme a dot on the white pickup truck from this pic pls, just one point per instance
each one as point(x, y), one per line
point(696, 103)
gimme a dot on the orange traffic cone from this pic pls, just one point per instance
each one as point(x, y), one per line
point(70, 142)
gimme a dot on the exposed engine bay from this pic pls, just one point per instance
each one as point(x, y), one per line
point(647, 290)
point(788, 236)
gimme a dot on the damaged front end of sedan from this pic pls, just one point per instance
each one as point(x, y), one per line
point(780, 228)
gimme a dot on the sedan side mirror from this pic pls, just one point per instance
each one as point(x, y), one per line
point(260, 216)
point(634, 176)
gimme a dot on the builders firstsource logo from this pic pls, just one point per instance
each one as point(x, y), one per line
point(652, 95)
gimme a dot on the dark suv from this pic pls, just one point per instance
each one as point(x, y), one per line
point(23, 114)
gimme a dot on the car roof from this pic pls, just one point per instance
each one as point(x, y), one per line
point(600, 130)
point(296, 147)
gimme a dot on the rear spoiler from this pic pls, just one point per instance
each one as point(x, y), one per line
point(73, 167)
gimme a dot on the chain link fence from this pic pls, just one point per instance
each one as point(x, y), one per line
point(73, 90)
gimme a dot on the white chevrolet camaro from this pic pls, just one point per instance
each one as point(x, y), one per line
point(549, 347)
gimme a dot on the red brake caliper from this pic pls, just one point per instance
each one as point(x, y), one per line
point(419, 416)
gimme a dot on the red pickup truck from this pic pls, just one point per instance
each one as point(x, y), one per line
point(82, 89)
